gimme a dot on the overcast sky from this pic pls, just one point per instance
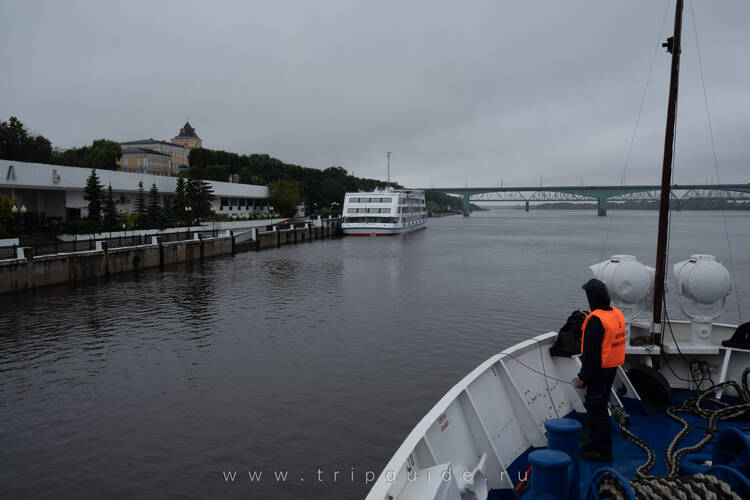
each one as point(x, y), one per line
point(526, 91)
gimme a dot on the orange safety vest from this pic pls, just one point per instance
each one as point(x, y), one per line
point(613, 343)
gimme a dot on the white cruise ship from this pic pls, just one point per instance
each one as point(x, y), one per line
point(383, 212)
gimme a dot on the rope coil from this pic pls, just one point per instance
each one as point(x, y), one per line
point(647, 486)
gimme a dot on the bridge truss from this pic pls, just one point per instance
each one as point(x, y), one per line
point(600, 194)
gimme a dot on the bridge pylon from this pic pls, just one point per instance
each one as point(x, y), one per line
point(601, 206)
point(466, 207)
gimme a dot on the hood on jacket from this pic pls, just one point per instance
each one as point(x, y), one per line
point(597, 293)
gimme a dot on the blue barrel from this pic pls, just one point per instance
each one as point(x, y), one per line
point(549, 474)
point(562, 435)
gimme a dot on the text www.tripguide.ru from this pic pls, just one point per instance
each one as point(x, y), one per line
point(337, 476)
point(283, 476)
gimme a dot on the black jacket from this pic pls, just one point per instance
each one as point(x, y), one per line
point(591, 360)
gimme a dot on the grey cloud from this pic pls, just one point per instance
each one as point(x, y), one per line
point(459, 91)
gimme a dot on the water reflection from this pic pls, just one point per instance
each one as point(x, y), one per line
point(316, 355)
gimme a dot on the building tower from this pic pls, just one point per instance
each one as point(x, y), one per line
point(187, 137)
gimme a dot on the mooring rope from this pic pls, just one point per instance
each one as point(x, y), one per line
point(646, 486)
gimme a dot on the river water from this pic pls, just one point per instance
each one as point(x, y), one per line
point(304, 360)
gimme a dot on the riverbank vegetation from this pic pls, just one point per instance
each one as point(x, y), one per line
point(190, 205)
point(17, 143)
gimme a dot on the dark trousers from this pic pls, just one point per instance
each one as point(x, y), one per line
point(597, 396)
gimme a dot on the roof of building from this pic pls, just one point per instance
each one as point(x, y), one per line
point(187, 131)
point(142, 151)
point(151, 141)
point(40, 176)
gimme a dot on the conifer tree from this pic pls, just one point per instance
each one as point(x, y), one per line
point(154, 210)
point(180, 201)
point(111, 222)
point(141, 209)
point(192, 198)
point(93, 194)
point(205, 197)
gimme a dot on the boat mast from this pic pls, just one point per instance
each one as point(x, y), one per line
point(388, 154)
point(673, 46)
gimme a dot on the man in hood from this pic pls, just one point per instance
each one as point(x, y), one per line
point(603, 350)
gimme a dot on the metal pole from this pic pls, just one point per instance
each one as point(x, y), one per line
point(388, 154)
point(673, 46)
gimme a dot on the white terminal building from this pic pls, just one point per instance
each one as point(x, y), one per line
point(54, 192)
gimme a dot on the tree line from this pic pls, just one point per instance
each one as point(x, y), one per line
point(17, 143)
point(289, 184)
point(317, 188)
point(190, 204)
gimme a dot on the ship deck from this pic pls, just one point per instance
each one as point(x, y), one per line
point(657, 429)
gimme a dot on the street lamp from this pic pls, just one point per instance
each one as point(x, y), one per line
point(15, 211)
point(188, 215)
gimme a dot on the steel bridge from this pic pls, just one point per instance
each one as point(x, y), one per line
point(600, 194)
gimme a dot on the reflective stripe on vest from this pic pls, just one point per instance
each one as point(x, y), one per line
point(613, 343)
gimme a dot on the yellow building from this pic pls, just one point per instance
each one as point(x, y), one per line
point(145, 161)
point(148, 155)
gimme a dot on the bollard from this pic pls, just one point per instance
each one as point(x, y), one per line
point(562, 435)
point(549, 474)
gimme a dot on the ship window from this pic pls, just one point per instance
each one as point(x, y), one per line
point(351, 211)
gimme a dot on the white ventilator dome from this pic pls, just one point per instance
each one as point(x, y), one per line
point(703, 286)
point(629, 284)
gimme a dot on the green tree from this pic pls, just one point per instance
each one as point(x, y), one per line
point(141, 209)
point(198, 196)
point(154, 209)
point(93, 193)
point(103, 153)
point(317, 187)
point(111, 216)
point(7, 222)
point(285, 197)
point(205, 199)
point(180, 201)
point(433, 207)
point(192, 199)
point(17, 144)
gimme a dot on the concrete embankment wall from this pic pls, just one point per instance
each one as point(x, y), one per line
point(273, 239)
point(32, 272)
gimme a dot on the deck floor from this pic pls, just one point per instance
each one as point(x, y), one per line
point(657, 429)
